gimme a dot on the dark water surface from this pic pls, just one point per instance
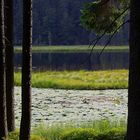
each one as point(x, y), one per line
point(77, 61)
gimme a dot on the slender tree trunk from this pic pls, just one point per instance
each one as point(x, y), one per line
point(9, 64)
point(3, 121)
point(133, 128)
point(26, 71)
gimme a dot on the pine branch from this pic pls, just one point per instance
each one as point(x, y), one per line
point(96, 40)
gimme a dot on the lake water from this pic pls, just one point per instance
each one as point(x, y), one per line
point(50, 106)
point(77, 61)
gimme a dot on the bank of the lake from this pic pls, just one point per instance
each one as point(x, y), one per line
point(73, 48)
point(80, 80)
point(75, 57)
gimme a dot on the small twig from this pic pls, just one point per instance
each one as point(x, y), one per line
point(93, 41)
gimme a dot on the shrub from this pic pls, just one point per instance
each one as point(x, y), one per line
point(91, 134)
point(15, 136)
point(35, 137)
point(113, 134)
point(80, 134)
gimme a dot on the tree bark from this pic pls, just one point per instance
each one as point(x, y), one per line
point(3, 121)
point(9, 64)
point(133, 128)
point(26, 71)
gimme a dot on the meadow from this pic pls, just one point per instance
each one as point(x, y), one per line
point(74, 48)
point(78, 80)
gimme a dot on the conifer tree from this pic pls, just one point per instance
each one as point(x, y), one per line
point(3, 118)
point(25, 125)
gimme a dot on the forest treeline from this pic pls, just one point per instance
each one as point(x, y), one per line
point(57, 22)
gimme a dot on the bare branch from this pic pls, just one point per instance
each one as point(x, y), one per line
point(95, 41)
point(109, 40)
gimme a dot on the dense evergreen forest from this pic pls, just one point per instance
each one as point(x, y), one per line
point(57, 22)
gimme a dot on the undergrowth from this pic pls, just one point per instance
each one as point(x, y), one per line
point(97, 130)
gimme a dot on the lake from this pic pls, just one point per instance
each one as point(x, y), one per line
point(51, 106)
point(77, 61)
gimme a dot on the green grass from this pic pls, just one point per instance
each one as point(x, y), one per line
point(70, 49)
point(96, 130)
point(80, 80)
point(15, 136)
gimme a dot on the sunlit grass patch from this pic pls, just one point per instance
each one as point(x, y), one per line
point(112, 79)
point(73, 49)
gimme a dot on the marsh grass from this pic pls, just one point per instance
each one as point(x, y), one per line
point(15, 136)
point(97, 129)
point(80, 80)
point(74, 48)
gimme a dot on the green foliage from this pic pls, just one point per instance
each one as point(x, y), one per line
point(101, 130)
point(91, 134)
point(35, 137)
point(124, 3)
point(50, 133)
point(80, 134)
point(15, 136)
point(96, 130)
point(113, 79)
point(57, 22)
point(106, 130)
point(102, 17)
point(113, 134)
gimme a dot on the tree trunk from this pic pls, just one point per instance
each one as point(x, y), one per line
point(3, 121)
point(9, 64)
point(26, 70)
point(133, 128)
